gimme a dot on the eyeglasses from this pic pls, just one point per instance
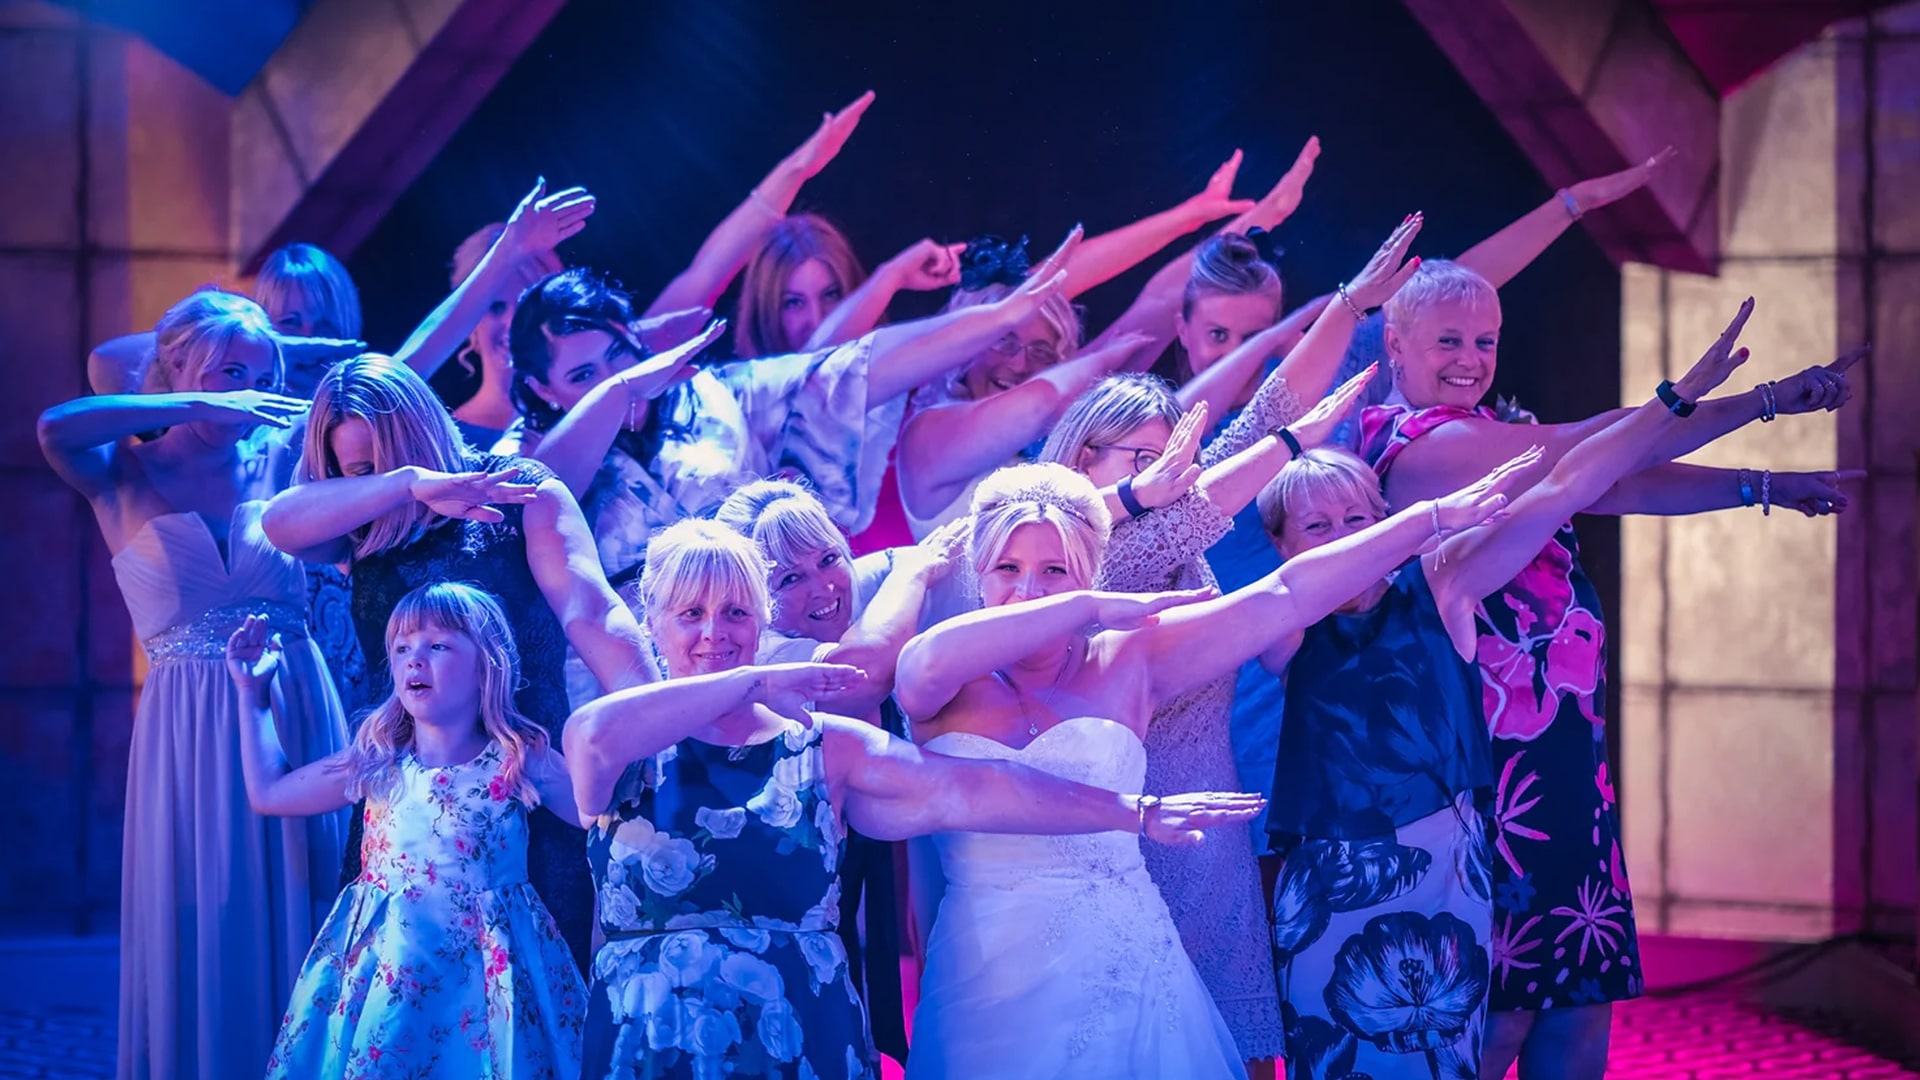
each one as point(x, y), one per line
point(1143, 456)
point(1040, 354)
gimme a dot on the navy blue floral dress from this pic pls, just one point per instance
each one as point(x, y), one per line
point(1564, 932)
point(1383, 909)
point(490, 556)
point(718, 875)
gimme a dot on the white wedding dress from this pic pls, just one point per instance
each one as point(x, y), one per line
point(1054, 955)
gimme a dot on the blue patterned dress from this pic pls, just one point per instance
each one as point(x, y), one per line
point(1564, 932)
point(439, 960)
point(1382, 913)
point(718, 872)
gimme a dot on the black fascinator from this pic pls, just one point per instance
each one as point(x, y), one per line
point(990, 260)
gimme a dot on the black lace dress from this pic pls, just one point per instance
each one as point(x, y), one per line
point(491, 557)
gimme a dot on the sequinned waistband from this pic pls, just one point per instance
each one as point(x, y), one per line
point(204, 637)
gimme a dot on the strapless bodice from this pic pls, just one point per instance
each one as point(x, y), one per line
point(1088, 749)
point(186, 596)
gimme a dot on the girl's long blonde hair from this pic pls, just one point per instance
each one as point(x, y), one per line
point(373, 764)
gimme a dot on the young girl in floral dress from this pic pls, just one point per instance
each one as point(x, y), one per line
point(440, 959)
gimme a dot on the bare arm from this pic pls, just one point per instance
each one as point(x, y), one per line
point(253, 659)
point(1500, 257)
point(548, 771)
point(561, 555)
point(537, 225)
point(923, 267)
point(119, 366)
point(1106, 256)
point(893, 790)
point(311, 521)
point(943, 449)
point(80, 437)
point(913, 354)
point(733, 242)
point(873, 643)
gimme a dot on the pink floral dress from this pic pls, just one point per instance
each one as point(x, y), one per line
point(439, 960)
point(1563, 929)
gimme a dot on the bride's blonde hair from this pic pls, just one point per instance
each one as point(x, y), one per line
point(1040, 494)
point(388, 729)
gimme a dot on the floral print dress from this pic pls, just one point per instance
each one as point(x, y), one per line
point(440, 960)
point(1383, 908)
point(718, 872)
point(1564, 930)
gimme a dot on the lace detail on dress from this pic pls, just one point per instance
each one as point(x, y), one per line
point(1273, 405)
point(1212, 890)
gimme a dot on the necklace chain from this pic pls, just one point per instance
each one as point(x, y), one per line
point(1033, 726)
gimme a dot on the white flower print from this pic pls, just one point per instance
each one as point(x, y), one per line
point(1594, 919)
point(617, 904)
point(828, 824)
point(723, 824)
point(756, 980)
point(777, 805)
point(779, 1031)
point(754, 941)
point(707, 1032)
point(687, 958)
point(670, 866)
point(825, 955)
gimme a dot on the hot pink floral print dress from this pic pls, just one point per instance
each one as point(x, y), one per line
point(1563, 929)
point(439, 960)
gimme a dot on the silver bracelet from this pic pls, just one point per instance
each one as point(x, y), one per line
point(1439, 534)
point(1769, 402)
point(1146, 803)
point(1347, 299)
point(1572, 204)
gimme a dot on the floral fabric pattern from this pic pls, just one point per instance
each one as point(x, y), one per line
point(440, 959)
point(1565, 927)
point(1382, 950)
point(719, 887)
point(490, 556)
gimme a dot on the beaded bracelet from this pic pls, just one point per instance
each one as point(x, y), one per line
point(1347, 298)
point(1766, 493)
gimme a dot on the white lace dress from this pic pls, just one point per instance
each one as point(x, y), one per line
point(1213, 890)
point(1054, 956)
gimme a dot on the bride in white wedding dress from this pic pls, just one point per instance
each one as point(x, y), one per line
point(1052, 955)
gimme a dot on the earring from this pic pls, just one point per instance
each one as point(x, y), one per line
point(1394, 366)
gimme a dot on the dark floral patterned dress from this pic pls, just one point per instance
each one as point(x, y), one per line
point(491, 557)
point(1564, 931)
point(1383, 908)
point(718, 872)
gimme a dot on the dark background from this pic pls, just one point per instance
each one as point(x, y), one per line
point(1011, 118)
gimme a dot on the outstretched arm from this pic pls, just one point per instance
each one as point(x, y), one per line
point(536, 227)
point(1106, 256)
point(1476, 564)
point(1153, 310)
point(561, 555)
point(874, 641)
point(893, 790)
point(609, 733)
point(253, 657)
point(80, 437)
point(943, 449)
point(1500, 257)
point(119, 365)
point(1191, 646)
point(921, 268)
point(311, 521)
point(733, 242)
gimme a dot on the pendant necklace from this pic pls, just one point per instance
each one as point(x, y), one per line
point(1033, 726)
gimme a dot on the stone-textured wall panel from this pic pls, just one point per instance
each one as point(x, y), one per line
point(41, 348)
point(39, 70)
point(1896, 144)
point(37, 769)
point(43, 637)
point(1894, 601)
point(1750, 601)
point(1751, 795)
point(1894, 375)
point(176, 126)
point(267, 178)
point(1777, 152)
point(1643, 813)
point(1895, 764)
point(333, 71)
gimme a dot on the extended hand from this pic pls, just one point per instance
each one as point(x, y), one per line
point(1383, 275)
point(541, 220)
point(1478, 503)
point(1823, 387)
point(472, 495)
point(1814, 494)
point(1316, 427)
point(1280, 203)
point(1595, 193)
point(1130, 611)
point(927, 266)
point(253, 655)
point(1216, 200)
point(788, 688)
point(1175, 472)
point(824, 144)
point(255, 407)
point(1719, 361)
point(651, 377)
point(1182, 820)
point(675, 328)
